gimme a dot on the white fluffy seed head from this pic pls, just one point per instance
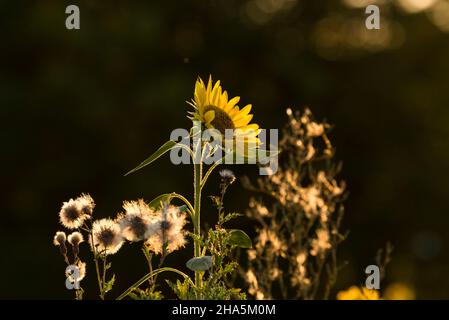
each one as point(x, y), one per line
point(75, 238)
point(136, 223)
point(86, 204)
point(227, 176)
point(59, 238)
point(107, 237)
point(74, 213)
point(168, 231)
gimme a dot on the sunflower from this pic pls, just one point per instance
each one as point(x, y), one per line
point(215, 110)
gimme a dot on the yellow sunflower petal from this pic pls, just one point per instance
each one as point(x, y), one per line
point(217, 97)
point(209, 85)
point(214, 92)
point(200, 96)
point(232, 103)
point(223, 100)
point(244, 112)
point(243, 121)
point(233, 112)
point(253, 127)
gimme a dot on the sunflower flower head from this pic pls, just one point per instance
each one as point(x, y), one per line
point(168, 234)
point(214, 109)
point(137, 222)
point(106, 237)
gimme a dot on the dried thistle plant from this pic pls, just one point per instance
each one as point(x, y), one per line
point(298, 211)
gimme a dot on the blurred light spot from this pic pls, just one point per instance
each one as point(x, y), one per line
point(269, 6)
point(262, 11)
point(413, 6)
point(362, 3)
point(337, 35)
point(255, 14)
point(439, 15)
point(399, 291)
point(273, 6)
point(328, 37)
point(426, 245)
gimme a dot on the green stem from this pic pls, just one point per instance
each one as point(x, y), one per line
point(104, 274)
point(161, 262)
point(198, 173)
point(95, 254)
point(149, 256)
point(97, 269)
point(206, 176)
point(192, 155)
point(149, 276)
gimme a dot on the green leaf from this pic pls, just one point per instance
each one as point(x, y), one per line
point(181, 289)
point(230, 267)
point(156, 202)
point(159, 152)
point(108, 285)
point(167, 197)
point(200, 263)
point(239, 239)
point(134, 296)
point(230, 216)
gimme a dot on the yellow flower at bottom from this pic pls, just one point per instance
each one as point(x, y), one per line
point(399, 291)
point(356, 293)
point(215, 110)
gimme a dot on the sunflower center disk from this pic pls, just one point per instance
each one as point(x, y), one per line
point(221, 121)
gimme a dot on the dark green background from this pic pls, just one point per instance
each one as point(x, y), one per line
point(80, 108)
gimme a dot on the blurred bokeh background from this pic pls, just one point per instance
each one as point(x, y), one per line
point(81, 107)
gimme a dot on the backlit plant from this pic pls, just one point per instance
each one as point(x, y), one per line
point(160, 225)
